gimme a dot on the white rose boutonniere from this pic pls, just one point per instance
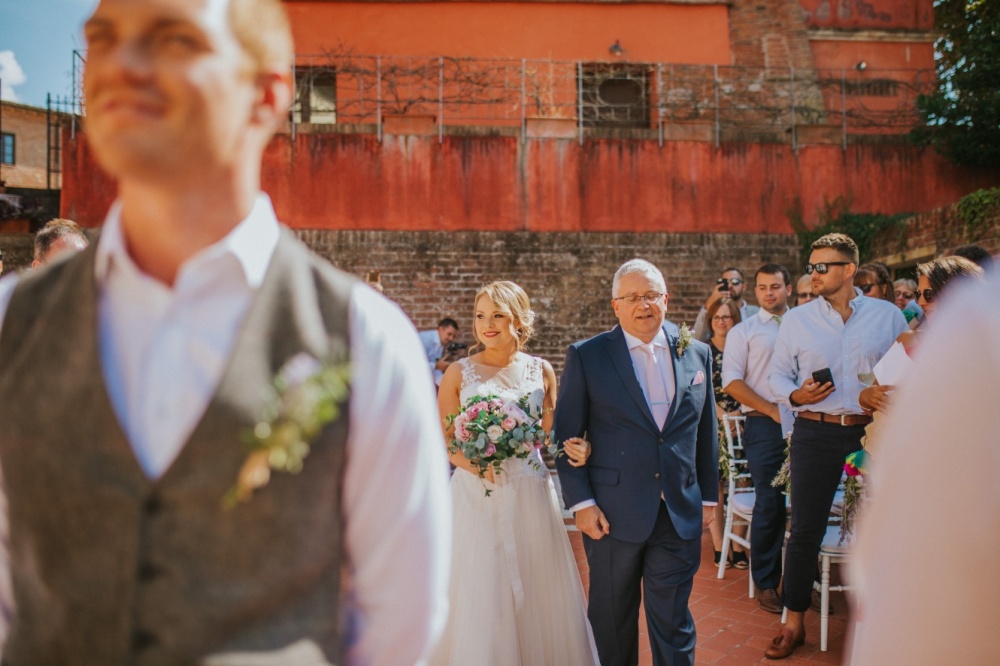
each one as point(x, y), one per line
point(684, 340)
point(305, 396)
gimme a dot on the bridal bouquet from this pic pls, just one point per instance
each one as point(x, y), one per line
point(489, 430)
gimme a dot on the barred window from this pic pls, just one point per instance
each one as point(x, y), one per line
point(873, 88)
point(615, 95)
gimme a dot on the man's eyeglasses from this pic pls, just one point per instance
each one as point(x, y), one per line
point(632, 299)
point(735, 282)
point(928, 294)
point(823, 267)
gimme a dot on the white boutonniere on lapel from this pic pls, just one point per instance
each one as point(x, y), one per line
point(684, 339)
point(304, 397)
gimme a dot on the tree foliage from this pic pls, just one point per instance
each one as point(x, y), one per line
point(962, 117)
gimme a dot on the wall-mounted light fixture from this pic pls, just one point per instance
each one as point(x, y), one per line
point(861, 66)
point(616, 49)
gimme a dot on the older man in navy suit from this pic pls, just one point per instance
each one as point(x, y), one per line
point(641, 393)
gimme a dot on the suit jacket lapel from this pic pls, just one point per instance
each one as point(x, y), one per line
point(621, 359)
point(682, 377)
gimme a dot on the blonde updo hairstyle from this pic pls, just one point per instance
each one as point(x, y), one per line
point(512, 301)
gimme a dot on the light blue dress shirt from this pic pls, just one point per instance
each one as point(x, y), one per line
point(814, 336)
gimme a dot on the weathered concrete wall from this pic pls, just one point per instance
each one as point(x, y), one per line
point(496, 183)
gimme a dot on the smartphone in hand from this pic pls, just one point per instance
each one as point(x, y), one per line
point(823, 376)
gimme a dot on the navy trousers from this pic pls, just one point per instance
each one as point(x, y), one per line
point(664, 565)
point(765, 452)
point(817, 459)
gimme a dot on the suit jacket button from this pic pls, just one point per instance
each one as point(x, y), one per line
point(661, 440)
point(657, 475)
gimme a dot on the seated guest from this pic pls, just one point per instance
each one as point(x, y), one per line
point(58, 237)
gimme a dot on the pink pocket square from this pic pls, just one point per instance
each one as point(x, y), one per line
point(698, 379)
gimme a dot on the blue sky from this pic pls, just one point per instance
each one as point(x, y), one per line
point(37, 38)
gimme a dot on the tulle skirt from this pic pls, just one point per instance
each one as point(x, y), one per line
point(515, 596)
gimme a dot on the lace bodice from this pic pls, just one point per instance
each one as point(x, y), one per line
point(508, 384)
point(501, 383)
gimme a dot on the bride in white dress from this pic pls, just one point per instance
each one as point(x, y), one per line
point(515, 596)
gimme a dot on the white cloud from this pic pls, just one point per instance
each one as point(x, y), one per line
point(11, 75)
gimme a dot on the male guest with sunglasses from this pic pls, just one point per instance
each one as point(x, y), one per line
point(814, 370)
point(733, 285)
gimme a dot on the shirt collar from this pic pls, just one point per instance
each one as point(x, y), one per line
point(766, 316)
point(251, 242)
point(659, 341)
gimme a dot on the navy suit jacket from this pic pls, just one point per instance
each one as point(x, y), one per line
point(633, 461)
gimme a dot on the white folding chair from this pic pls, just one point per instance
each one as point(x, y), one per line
point(739, 508)
point(831, 551)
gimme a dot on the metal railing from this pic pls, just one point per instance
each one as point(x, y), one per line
point(706, 102)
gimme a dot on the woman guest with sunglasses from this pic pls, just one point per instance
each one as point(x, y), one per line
point(722, 316)
point(873, 280)
point(906, 300)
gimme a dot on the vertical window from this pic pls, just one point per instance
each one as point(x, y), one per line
point(6, 148)
point(316, 95)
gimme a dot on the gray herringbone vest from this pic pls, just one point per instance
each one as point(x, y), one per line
point(110, 567)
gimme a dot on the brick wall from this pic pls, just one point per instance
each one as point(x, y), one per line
point(28, 125)
point(769, 33)
point(934, 234)
point(567, 275)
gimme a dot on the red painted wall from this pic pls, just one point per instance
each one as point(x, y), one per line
point(350, 181)
point(683, 33)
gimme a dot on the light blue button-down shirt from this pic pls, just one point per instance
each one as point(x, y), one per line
point(814, 336)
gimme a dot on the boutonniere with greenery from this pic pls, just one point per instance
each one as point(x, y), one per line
point(684, 340)
point(304, 397)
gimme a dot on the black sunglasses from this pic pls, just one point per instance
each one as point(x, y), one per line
point(823, 267)
point(928, 294)
point(865, 288)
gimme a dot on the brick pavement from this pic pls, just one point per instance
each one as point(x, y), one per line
point(732, 630)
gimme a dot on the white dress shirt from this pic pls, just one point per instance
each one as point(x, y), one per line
point(163, 352)
point(747, 357)
point(924, 561)
point(664, 363)
point(814, 336)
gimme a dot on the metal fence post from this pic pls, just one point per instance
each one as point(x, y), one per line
point(295, 95)
point(440, 99)
point(579, 99)
point(524, 132)
point(715, 87)
point(378, 96)
point(843, 105)
point(659, 101)
point(791, 79)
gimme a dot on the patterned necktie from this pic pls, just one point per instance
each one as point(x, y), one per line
point(777, 318)
point(658, 402)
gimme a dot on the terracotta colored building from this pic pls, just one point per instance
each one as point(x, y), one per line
point(23, 146)
point(449, 143)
